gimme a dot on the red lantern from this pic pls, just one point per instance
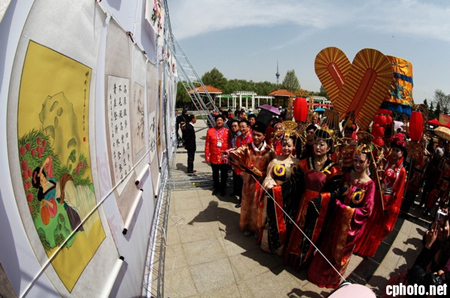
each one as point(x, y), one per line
point(379, 142)
point(300, 109)
point(377, 130)
point(416, 126)
point(388, 120)
point(380, 119)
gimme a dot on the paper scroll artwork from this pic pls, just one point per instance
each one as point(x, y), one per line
point(153, 123)
point(119, 126)
point(55, 162)
point(138, 119)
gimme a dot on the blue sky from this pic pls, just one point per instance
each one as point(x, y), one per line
point(244, 39)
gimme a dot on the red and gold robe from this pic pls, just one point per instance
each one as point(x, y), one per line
point(353, 208)
point(274, 232)
point(253, 163)
point(316, 189)
point(381, 223)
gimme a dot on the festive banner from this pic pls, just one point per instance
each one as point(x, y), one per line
point(400, 91)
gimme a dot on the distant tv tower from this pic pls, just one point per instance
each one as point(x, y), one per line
point(278, 75)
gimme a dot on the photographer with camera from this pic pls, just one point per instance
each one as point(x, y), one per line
point(432, 266)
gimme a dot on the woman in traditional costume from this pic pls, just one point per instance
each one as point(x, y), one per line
point(252, 159)
point(316, 184)
point(279, 171)
point(353, 208)
point(386, 212)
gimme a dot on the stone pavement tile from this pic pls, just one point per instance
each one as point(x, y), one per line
point(196, 232)
point(392, 258)
point(175, 220)
point(399, 223)
point(213, 275)
point(177, 195)
point(413, 244)
point(226, 218)
point(417, 232)
point(188, 201)
point(382, 250)
point(401, 240)
point(206, 198)
point(173, 237)
point(406, 227)
point(354, 263)
point(175, 257)
point(271, 285)
point(237, 244)
point(366, 269)
point(190, 216)
point(179, 283)
point(203, 251)
point(229, 225)
point(309, 290)
point(230, 291)
point(251, 264)
point(244, 290)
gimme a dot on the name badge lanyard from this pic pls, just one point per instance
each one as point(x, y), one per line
point(219, 140)
point(244, 141)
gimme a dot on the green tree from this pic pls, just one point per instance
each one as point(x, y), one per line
point(443, 100)
point(183, 98)
point(214, 78)
point(322, 92)
point(438, 110)
point(431, 114)
point(291, 82)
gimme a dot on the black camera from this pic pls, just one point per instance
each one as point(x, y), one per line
point(431, 279)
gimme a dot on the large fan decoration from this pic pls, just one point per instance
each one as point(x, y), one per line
point(360, 87)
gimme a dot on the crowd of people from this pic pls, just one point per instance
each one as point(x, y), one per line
point(315, 196)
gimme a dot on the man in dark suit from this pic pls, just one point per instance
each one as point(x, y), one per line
point(181, 121)
point(189, 143)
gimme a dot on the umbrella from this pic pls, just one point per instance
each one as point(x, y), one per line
point(270, 108)
point(434, 122)
point(319, 110)
point(443, 132)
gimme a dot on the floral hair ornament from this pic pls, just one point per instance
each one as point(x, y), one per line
point(398, 140)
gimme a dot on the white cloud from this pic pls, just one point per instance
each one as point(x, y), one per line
point(191, 18)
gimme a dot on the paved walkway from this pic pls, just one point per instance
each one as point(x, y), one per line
point(208, 256)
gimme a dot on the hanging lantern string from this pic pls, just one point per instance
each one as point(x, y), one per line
point(295, 224)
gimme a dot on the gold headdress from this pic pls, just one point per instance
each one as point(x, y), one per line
point(289, 130)
point(324, 133)
point(365, 141)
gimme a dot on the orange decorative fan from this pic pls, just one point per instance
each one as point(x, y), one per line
point(331, 66)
